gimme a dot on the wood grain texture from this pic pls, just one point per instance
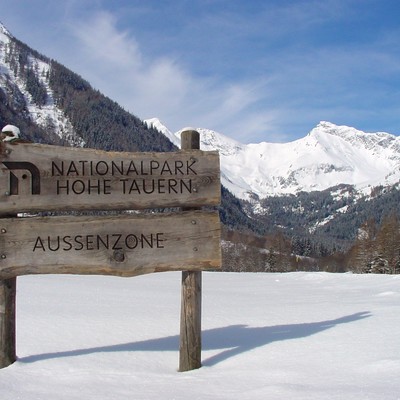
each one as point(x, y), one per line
point(35, 177)
point(191, 295)
point(190, 342)
point(126, 245)
point(7, 322)
point(49, 178)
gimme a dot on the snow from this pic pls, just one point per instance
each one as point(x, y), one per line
point(303, 335)
point(328, 156)
point(47, 115)
point(4, 31)
point(13, 131)
point(157, 124)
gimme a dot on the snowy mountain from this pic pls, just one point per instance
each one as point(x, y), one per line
point(328, 156)
point(52, 104)
point(30, 79)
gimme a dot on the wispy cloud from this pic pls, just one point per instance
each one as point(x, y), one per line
point(104, 42)
point(161, 86)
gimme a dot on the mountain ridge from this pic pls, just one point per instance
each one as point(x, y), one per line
point(329, 155)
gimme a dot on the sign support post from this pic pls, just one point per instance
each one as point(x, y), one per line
point(190, 328)
point(7, 321)
point(8, 290)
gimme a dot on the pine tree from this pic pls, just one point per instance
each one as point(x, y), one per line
point(388, 246)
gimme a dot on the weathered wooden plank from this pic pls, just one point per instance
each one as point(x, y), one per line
point(36, 177)
point(126, 245)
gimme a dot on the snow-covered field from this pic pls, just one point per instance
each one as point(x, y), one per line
point(265, 336)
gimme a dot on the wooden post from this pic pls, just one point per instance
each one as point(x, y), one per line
point(190, 329)
point(7, 322)
point(8, 290)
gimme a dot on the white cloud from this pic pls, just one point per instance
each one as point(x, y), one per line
point(101, 41)
point(116, 64)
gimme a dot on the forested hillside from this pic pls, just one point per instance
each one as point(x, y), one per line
point(101, 122)
point(97, 120)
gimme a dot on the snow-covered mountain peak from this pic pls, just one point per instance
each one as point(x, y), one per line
point(209, 140)
point(5, 35)
point(4, 31)
point(327, 131)
point(328, 156)
point(354, 136)
point(157, 124)
point(13, 79)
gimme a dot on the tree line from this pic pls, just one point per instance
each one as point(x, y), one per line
point(377, 248)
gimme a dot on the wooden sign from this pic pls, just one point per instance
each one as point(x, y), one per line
point(49, 178)
point(125, 245)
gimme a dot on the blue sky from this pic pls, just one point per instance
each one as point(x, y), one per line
point(253, 70)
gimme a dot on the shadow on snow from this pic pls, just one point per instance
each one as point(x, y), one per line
point(232, 340)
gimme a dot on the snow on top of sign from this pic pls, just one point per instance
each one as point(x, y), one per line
point(10, 132)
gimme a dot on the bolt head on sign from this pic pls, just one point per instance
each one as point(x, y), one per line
point(10, 133)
